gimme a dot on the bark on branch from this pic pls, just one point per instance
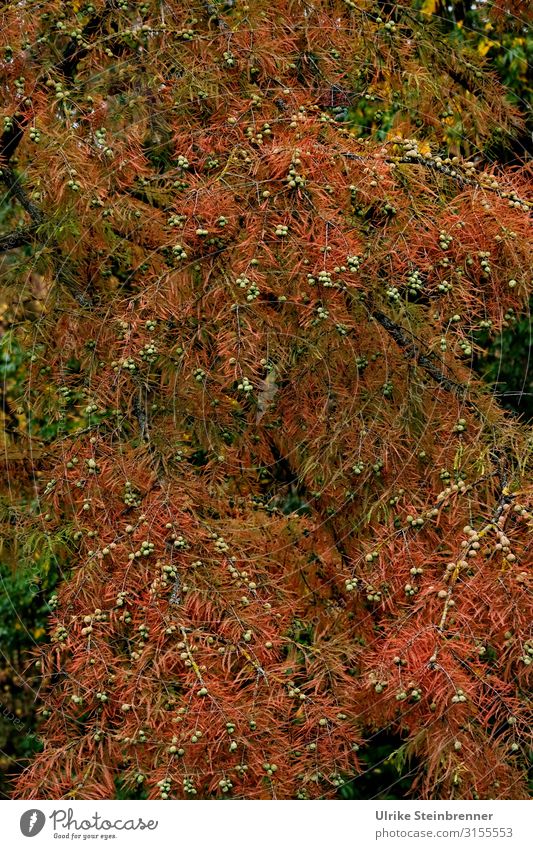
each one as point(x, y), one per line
point(16, 239)
point(14, 188)
point(439, 168)
point(412, 351)
point(11, 138)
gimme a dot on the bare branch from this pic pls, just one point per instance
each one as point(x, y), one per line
point(16, 239)
point(14, 187)
point(12, 137)
point(412, 351)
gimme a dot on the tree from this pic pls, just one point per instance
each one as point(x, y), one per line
point(287, 513)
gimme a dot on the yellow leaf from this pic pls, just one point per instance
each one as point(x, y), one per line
point(484, 46)
point(429, 6)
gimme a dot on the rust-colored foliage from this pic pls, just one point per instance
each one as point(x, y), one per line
point(295, 516)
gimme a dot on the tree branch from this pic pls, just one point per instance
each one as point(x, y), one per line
point(14, 188)
point(16, 239)
point(405, 341)
point(10, 139)
point(439, 168)
point(26, 235)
